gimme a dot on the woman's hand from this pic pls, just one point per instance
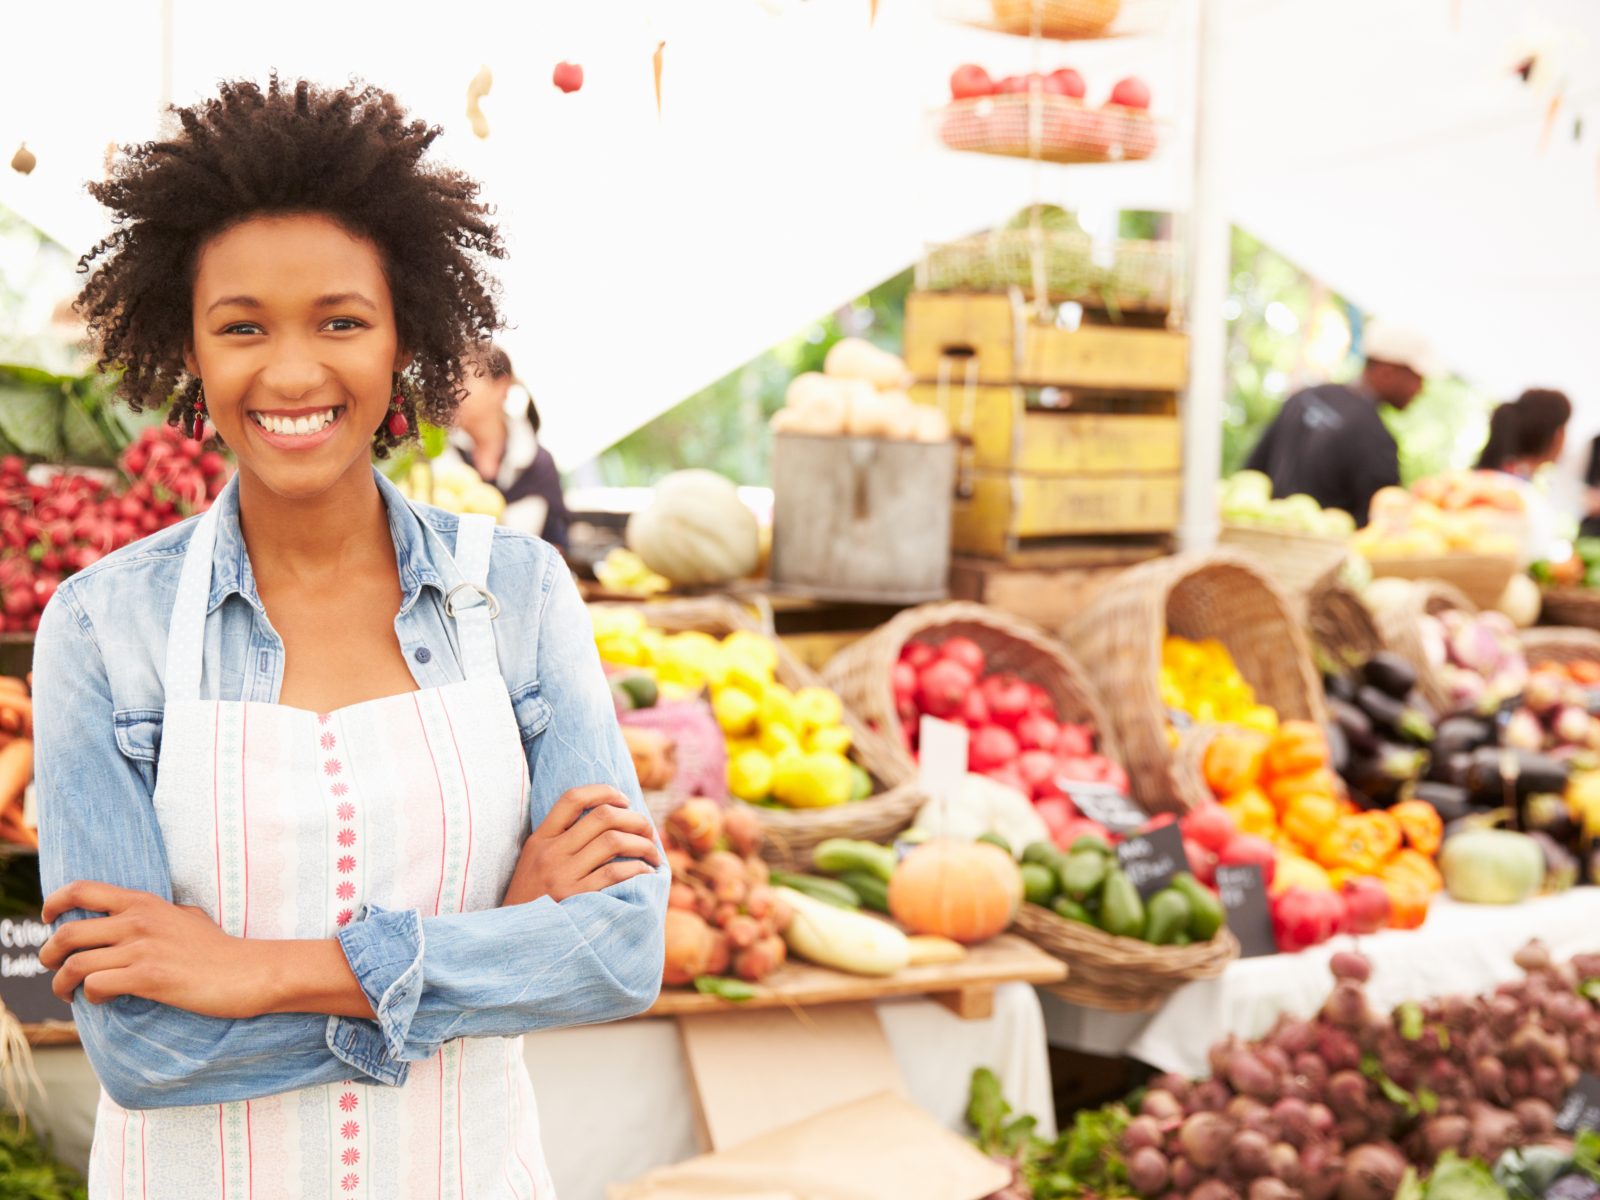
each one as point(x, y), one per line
point(146, 946)
point(576, 851)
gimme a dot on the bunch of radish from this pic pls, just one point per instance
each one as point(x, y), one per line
point(55, 523)
point(1335, 1106)
point(1016, 735)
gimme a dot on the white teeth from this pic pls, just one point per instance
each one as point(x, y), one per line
point(296, 427)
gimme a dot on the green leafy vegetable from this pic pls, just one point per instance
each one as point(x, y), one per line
point(1455, 1178)
point(736, 990)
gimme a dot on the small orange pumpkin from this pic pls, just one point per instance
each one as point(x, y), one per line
point(965, 891)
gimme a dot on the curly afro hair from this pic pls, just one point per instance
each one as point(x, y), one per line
point(350, 154)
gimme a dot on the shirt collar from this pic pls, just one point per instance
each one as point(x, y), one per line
point(415, 549)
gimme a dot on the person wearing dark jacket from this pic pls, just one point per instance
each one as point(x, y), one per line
point(1330, 442)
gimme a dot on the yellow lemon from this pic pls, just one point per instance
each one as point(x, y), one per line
point(777, 707)
point(616, 619)
point(735, 711)
point(747, 676)
point(621, 648)
point(812, 781)
point(752, 649)
point(776, 738)
point(817, 708)
point(833, 740)
point(750, 776)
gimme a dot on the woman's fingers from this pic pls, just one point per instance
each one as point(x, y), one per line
point(74, 938)
point(86, 964)
point(607, 823)
point(567, 811)
point(615, 843)
point(91, 897)
point(613, 873)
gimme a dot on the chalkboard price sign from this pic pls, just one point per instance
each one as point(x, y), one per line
point(1581, 1109)
point(1152, 859)
point(24, 981)
point(1103, 803)
point(1244, 896)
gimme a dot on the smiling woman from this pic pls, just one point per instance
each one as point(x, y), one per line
point(333, 801)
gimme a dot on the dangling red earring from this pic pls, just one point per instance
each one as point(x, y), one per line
point(200, 417)
point(397, 424)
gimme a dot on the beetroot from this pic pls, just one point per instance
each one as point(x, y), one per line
point(1213, 1189)
point(1321, 1171)
point(1293, 1037)
point(1251, 1077)
point(1346, 1006)
point(1348, 965)
point(1141, 1132)
point(1211, 1096)
point(1250, 1154)
point(1269, 1187)
point(1537, 1118)
point(1444, 1133)
point(1284, 1162)
point(1161, 1105)
point(1535, 956)
point(1347, 1094)
point(1204, 1138)
point(1494, 1131)
point(1293, 1118)
point(1372, 1172)
point(1148, 1171)
point(1184, 1176)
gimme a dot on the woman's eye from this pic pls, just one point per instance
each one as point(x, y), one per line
point(342, 324)
point(242, 328)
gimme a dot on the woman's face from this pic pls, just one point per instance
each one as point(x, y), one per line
point(294, 341)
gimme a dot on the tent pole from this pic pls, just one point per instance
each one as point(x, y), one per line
point(1209, 239)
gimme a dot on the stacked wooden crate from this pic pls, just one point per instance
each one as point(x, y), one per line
point(1098, 466)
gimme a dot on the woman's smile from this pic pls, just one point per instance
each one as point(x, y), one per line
point(296, 429)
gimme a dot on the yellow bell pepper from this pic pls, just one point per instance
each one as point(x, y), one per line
point(1309, 817)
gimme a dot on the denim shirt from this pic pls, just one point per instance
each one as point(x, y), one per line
point(98, 696)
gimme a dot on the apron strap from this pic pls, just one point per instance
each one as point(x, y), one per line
point(186, 634)
point(470, 602)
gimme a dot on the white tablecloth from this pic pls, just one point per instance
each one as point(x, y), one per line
point(614, 1100)
point(1462, 949)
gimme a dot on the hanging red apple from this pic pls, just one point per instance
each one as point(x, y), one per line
point(568, 77)
point(969, 81)
point(1069, 83)
point(1131, 92)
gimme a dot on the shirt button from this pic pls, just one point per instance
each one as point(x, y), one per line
point(423, 654)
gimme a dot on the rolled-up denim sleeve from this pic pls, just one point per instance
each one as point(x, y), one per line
point(496, 973)
point(97, 822)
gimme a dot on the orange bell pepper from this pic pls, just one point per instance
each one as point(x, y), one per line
point(1383, 833)
point(1353, 843)
point(1408, 904)
point(1309, 817)
point(1252, 812)
point(1414, 867)
point(1421, 825)
point(1284, 789)
point(1299, 746)
point(1232, 762)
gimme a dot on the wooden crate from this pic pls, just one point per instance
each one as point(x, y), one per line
point(977, 338)
point(1047, 595)
point(1004, 434)
point(1000, 513)
point(862, 518)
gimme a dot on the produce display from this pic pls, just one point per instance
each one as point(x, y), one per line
point(1352, 1104)
point(1580, 569)
point(1087, 885)
point(723, 914)
point(1017, 737)
point(53, 523)
point(993, 116)
point(1461, 512)
point(696, 532)
point(1247, 500)
point(1477, 657)
point(1330, 867)
point(783, 748)
point(1201, 681)
point(16, 761)
point(860, 392)
point(452, 485)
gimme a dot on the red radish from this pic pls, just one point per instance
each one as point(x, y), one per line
point(567, 76)
point(991, 747)
point(942, 687)
point(1008, 775)
point(1243, 850)
point(904, 679)
point(1209, 826)
point(1131, 92)
point(1011, 85)
point(1077, 740)
point(1056, 812)
point(1202, 862)
point(1038, 769)
point(975, 710)
point(1036, 732)
point(1039, 701)
point(918, 654)
point(965, 651)
point(1008, 700)
point(1070, 83)
point(970, 80)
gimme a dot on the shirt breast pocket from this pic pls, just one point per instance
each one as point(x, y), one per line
point(138, 733)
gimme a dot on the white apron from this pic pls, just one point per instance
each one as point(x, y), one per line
point(282, 823)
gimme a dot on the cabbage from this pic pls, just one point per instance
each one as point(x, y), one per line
point(1491, 866)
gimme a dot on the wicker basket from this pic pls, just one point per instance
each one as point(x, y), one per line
point(1224, 595)
point(1296, 562)
point(1121, 974)
point(1401, 628)
point(1186, 775)
point(793, 834)
point(1141, 279)
point(1573, 607)
point(1559, 644)
point(1047, 127)
point(862, 673)
point(1481, 578)
point(1057, 18)
point(1340, 623)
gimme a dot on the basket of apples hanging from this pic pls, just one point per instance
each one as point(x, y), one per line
point(1046, 117)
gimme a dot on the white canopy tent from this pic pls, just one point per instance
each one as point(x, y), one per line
point(1386, 148)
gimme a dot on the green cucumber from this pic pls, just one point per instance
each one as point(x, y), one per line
point(873, 891)
point(835, 856)
point(829, 891)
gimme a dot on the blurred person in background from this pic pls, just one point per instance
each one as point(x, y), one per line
point(497, 432)
point(1330, 441)
point(1526, 435)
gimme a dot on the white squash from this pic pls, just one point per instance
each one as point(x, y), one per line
point(900, 416)
point(1521, 601)
point(696, 531)
point(844, 940)
point(928, 424)
point(855, 358)
point(810, 388)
